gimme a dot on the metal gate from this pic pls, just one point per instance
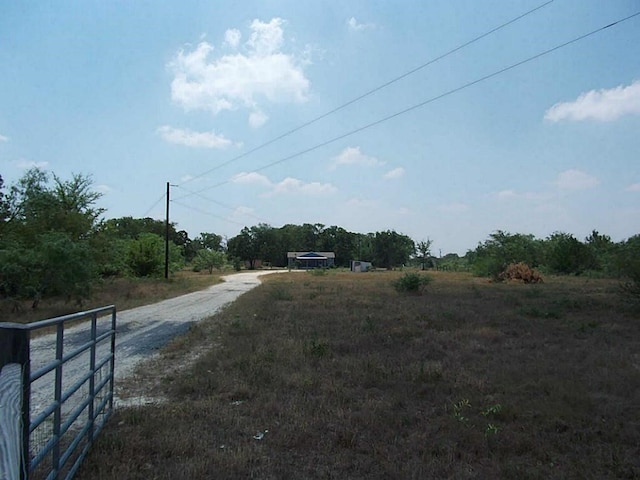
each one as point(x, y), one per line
point(56, 392)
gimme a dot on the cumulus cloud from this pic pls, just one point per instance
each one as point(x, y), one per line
point(354, 26)
point(603, 105)
point(575, 180)
point(261, 72)
point(232, 37)
point(287, 186)
point(193, 139)
point(3, 138)
point(353, 156)
point(395, 173)
point(251, 178)
point(635, 187)
point(295, 186)
point(257, 119)
point(103, 189)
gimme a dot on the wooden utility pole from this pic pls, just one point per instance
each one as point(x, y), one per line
point(166, 239)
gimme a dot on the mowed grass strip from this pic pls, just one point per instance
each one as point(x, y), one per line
point(339, 376)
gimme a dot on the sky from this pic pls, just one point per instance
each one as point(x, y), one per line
point(369, 115)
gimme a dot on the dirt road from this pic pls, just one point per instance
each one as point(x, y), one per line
point(140, 332)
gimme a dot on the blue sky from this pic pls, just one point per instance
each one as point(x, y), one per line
point(136, 94)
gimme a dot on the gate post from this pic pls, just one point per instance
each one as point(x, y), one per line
point(14, 401)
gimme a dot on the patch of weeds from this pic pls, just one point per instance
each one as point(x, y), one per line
point(280, 293)
point(317, 348)
point(459, 408)
point(412, 283)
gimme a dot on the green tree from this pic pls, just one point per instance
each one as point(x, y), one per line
point(567, 255)
point(423, 250)
point(392, 249)
point(208, 260)
point(501, 249)
point(145, 255)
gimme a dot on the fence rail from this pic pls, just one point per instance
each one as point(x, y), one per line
point(54, 403)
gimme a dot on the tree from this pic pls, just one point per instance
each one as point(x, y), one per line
point(502, 249)
point(244, 247)
point(145, 255)
point(423, 250)
point(208, 260)
point(565, 254)
point(392, 249)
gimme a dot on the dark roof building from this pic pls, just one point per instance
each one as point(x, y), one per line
point(306, 260)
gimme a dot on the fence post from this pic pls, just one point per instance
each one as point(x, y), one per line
point(14, 402)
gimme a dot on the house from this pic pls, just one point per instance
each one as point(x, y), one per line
point(307, 260)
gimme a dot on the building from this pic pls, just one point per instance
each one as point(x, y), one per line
point(360, 266)
point(307, 260)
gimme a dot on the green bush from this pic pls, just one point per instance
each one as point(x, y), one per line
point(412, 283)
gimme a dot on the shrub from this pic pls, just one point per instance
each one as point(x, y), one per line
point(520, 271)
point(412, 283)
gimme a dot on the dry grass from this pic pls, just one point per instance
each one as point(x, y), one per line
point(342, 377)
point(125, 293)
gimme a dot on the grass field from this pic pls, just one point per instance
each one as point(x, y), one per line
point(339, 376)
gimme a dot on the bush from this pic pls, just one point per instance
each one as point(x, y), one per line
point(412, 283)
point(520, 271)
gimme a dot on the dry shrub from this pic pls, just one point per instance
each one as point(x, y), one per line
point(520, 271)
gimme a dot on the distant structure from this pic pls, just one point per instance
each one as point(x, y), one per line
point(308, 260)
point(360, 266)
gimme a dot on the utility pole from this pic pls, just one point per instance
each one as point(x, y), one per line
point(166, 239)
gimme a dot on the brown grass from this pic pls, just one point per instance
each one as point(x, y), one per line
point(345, 378)
point(125, 293)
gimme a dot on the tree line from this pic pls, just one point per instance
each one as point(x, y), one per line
point(54, 241)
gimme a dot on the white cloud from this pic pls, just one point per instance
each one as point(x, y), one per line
point(287, 186)
point(575, 180)
point(193, 139)
point(604, 105)
point(295, 186)
point(353, 156)
point(257, 119)
point(395, 173)
point(3, 138)
point(103, 189)
point(241, 80)
point(251, 178)
point(27, 164)
point(354, 26)
point(232, 37)
point(633, 187)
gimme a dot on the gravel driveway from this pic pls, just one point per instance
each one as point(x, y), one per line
point(140, 332)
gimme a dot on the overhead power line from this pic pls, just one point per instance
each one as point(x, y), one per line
point(368, 93)
point(162, 197)
point(432, 99)
point(223, 205)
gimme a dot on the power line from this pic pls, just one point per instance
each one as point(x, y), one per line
point(162, 197)
point(224, 205)
point(368, 93)
point(432, 99)
point(204, 212)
